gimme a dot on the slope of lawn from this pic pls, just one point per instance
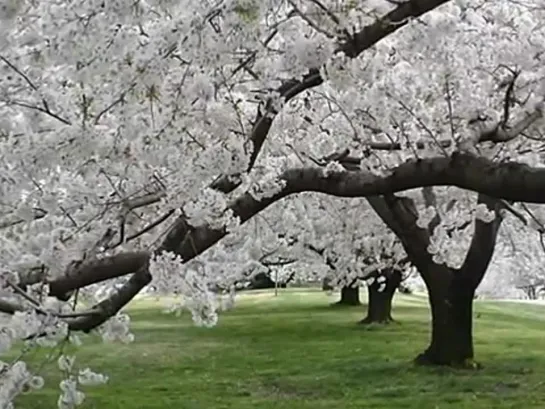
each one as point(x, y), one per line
point(295, 351)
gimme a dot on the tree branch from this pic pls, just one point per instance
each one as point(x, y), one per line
point(352, 48)
point(482, 244)
point(96, 271)
point(400, 215)
point(430, 200)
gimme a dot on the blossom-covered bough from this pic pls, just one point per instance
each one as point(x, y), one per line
point(117, 120)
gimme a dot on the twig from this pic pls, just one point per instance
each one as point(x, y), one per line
point(12, 221)
point(45, 110)
point(449, 106)
point(24, 294)
point(18, 71)
point(147, 228)
point(309, 21)
point(422, 124)
point(513, 211)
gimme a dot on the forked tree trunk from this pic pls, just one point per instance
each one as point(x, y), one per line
point(450, 291)
point(379, 303)
point(349, 296)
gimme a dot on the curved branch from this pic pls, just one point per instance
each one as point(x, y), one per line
point(113, 304)
point(400, 215)
point(512, 181)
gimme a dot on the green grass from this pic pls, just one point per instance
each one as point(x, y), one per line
point(295, 351)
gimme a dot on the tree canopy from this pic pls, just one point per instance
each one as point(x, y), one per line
point(134, 136)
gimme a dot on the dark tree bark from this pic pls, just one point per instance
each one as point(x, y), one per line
point(379, 303)
point(451, 291)
point(452, 325)
point(532, 290)
point(349, 296)
point(403, 289)
point(262, 281)
point(326, 285)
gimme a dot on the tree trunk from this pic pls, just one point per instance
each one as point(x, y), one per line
point(450, 291)
point(452, 327)
point(379, 303)
point(326, 286)
point(349, 296)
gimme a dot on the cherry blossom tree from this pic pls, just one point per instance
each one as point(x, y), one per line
point(517, 270)
point(360, 250)
point(135, 136)
point(347, 237)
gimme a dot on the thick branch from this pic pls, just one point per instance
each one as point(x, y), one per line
point(400, 215)
point(388, 24)
point(482, 244)
point(110, 306)
point(96, 271)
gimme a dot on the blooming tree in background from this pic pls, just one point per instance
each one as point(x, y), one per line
point(136, 135)
point(517, 268)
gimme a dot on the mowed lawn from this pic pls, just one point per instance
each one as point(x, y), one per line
point(295, 351)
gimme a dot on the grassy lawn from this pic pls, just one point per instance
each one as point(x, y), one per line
point(294, 351)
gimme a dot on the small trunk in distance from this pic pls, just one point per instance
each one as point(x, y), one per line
point(349, 296)
point(380, 296)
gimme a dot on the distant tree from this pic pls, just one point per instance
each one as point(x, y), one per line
point(380, 295)
point(521, 261)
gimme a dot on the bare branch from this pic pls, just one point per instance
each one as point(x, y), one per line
point(423, 125)
point(44, 110)
point(507, 206)
point(309, 21)
point(151, 225)
point(330, 14)
point(18, 71)
point(12, 220)
point(145, 200)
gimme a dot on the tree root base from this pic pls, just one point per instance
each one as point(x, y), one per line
point(369, 321)
point(345, 304)
point(424, 359)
